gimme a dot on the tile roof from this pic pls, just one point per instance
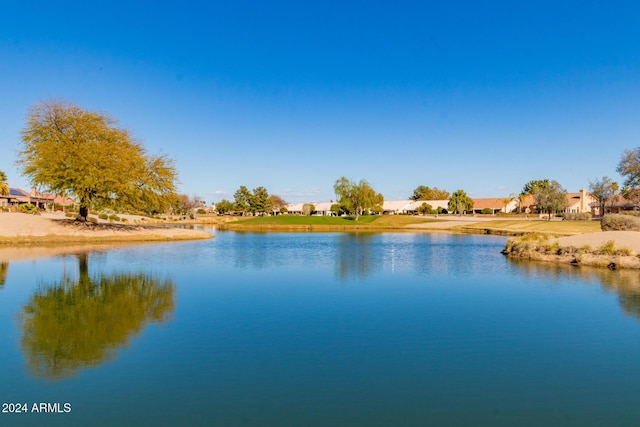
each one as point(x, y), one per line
point(492, 203)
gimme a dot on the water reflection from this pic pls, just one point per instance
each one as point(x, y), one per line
point(249, 254)
point(76, 324)
point(626, 283)
point(4, 268)
point(354, 257)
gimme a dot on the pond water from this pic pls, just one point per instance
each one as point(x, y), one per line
point(317, 329)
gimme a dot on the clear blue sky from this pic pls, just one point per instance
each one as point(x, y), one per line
point(293, 95)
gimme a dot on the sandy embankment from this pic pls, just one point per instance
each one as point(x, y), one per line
point(17, 228)
point(622, 239)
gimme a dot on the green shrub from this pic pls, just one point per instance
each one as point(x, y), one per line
point(487, 211)
point(114, 217)
point(103, 216)
point(28, 208)
point(425, 208)
point(615, 222)
point(70, 215)
point(631, 213)
point(581, 216)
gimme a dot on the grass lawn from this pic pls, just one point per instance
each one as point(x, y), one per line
point(536, 226)
point(398, 222)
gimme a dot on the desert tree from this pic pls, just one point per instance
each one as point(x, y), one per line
point(602, 190)
point(629, 167)
point(424, 209)
point(224, 206)
point(357, 198)
point(532, 185)
point(85, 155)
point(308, 208)
point(460, 202)
point(4, 187)
point(423, 192)
point(278, 203)
point(184, 204)
point(551, 197)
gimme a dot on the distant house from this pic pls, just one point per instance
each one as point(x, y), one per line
point(18, 197)
point(323, 209)
point(495, 204)
point(294, 208)
point(615, 204)
point(394, 207)
point(320, 208)
point(397, 207)
point(579, 202)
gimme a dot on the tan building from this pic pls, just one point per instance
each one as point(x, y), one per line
point(579, 202)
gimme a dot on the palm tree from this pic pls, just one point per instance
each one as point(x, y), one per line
point(4, 187)
point(521, 199)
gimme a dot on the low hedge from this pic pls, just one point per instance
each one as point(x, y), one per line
point(581, 216)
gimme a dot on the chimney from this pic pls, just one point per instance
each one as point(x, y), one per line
point(33, 191)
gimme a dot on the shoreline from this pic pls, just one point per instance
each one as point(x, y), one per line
point(25, 229)
point(610, 249)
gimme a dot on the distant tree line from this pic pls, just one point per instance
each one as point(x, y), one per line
point(256, 202)
point(87, 156)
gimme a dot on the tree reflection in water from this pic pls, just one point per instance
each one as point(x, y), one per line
point(4, 268)
point(625, 283)
point(354, 258)
point(73, 325)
